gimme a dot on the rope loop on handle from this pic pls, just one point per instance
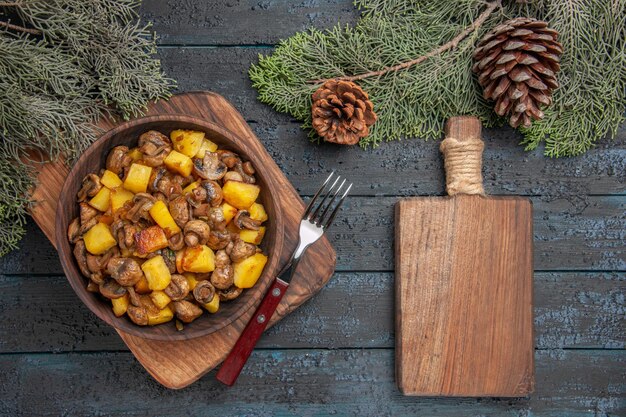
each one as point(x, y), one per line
point(463, 164)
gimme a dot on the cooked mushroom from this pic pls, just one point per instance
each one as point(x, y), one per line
point(243, 221)
point(73, 230)
point(242, 250)
point(86, 212)
point(93, 287)
point(91, 186)
point(124, 233)
point(197, 232)
point(133, 297)
point(210, 167)
point(214, 192)
point(218, 239)
point(169, 186)
point(155, 146)
point(230, 159)
point(221, 259)
point(204, 292)
point(86, 226)
point(176, 242)
point(248, 168)
point(80, 254)
point(118, 159)
point(223, 277)
point(142, 202)
point(201, 211)
point(126, 271)
point(239, 168)
point(138, 315)
point(233, 176)
point(111, 289)
point(197, 196)
point(178, 287)
point(155, 177)
point(186, 311)
point(230, 293)
point(216, 219)
point(169, 257)
point(179, 209)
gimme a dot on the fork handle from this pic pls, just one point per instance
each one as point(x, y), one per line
point(238, 356)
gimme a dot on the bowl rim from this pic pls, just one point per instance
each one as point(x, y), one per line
point(121, 324)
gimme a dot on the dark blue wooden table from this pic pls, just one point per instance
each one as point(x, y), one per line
point(335, 355)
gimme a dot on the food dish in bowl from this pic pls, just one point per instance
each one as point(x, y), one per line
point(126, 135)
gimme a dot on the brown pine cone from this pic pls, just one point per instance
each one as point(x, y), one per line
point(342, 112)
point(516, 65)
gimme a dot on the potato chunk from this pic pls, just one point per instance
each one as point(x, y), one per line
point(161, 215)
point(207, 145)
point(187, 142)
point(99, 239)
point(252, 236)
point(119, 197)
point(229, 211)
point(110, 180)
point(151, 239)
point(248, 271)
point(142, 287)
point(240, 194)
point(178, 162)
point(198, 259)
point(213, 305)
point(190, 187)
point(157, 273)
point(138, 178)
point(120, 305)
point(191, 280)
point(163, 316)
point(257, 212)
point(160, 299)
point(101, 200)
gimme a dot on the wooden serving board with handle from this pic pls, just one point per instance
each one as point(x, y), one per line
point(176, 364)
point(463, 286)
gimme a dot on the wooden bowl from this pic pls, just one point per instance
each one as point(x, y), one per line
point(128, 134)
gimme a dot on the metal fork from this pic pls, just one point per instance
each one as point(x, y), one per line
point(318, 217)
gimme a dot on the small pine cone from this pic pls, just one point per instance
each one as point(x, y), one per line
point(516, 65)
point(342, 112)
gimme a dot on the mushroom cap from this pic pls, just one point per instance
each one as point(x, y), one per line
point(197, 232)
point(118, 159)
point(210, 167)
point(111, 289)
point(80, 254)
point(126, 271)
point(186, 311)
point(137, 315)
point(242, 250)
point(204, 292)
point(91, 186)
point(223, 278)
point(179, 209)
point(178, 287)
point(230, 293)
point(73, 230)
point(214, 192)
point(243, 221)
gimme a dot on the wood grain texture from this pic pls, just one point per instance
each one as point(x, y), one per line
point(464, 296)
point(464, 272)
point(302, 382)
point(177, 364)
point(572, 233)
point(354, 310)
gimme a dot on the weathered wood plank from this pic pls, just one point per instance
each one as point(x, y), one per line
point(296, 383)
point(574, 233)
point(410, 167)
point(242, 21)
point(355, 310)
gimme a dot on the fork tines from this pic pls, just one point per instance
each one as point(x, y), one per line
point(318, 214)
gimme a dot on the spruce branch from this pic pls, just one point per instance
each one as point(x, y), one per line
point(453, 43)
point(18, 28)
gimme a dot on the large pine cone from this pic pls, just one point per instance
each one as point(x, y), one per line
point(342, 112)
point(516, 65)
